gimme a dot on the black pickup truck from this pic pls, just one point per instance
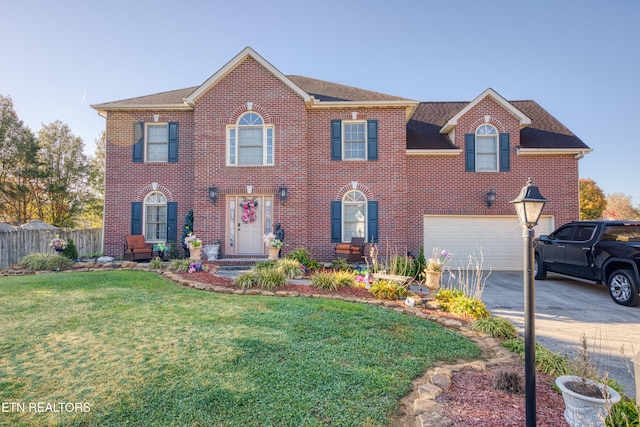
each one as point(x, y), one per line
point(600, 251)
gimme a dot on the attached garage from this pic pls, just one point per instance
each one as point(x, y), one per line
point(496, 240)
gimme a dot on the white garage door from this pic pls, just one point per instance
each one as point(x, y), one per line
point(497, 240)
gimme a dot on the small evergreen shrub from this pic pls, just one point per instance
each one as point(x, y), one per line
point(324, 280)
point(387, 289)
point(41, 262)
point(270, 278)
point(70, 251)
point(340, 264)
point(291, 267)
point(180, 265)
point(304, 258)
point(246, 280)
point(495, 326)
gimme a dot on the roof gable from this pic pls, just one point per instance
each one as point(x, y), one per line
point(453, 121)
point(234, 63)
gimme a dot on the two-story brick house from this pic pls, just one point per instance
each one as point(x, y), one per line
point(352, 162)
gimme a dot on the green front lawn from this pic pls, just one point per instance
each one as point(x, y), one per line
point(136, 349)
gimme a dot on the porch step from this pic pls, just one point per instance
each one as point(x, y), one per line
point(237, 263)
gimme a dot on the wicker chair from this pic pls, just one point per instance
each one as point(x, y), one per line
point(352, 252)
point(136, 249)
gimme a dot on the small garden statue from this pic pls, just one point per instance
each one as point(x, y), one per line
point(279, 233)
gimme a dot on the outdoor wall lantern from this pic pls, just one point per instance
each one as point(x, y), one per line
point(283, 193)
point(529, 205)
point(213, 194)
point(491, 197)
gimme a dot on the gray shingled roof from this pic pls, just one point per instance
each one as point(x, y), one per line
point(423, 129)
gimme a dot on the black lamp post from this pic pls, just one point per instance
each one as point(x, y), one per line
point(529, 205)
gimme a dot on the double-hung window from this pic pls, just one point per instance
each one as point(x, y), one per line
point(155, 217)
point(354, 141)
point(486, 149)
point(157, 142)
point(250, 142)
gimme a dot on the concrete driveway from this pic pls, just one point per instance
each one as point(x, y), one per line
point(565, 310)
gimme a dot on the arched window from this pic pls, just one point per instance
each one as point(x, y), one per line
point(486, 149)
point(354, 215)
point(250, 142)
point(155, 217)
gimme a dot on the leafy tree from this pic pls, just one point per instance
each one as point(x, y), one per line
point(592, 200)
point(619, 206)
point(95, 204)
point(20, 174)
point(66, 182)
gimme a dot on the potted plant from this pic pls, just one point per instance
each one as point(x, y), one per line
point(195, 246)
point(434, 269)
point(58, 244)
point(273, 245)
point(587, 401)
point(160, 248)
point(212, 250)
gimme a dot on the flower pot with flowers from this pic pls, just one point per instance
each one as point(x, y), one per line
point(273, 245)
point(434, 269)
point(58, 244)
point(160, 248)
point(195, 246)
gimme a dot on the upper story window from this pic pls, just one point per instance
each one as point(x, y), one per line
point(354, 140)
point(486, 149)
point(155, 142)
point(250, 142)
point(155, 217)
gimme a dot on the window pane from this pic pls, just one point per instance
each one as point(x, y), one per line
point(157, 133)
point(486, 154)
point(157, 152)
point(354, 220)
point(354, 141)
point(232, 146)
point(250, 146)
point(156, 222)
point(269, 146)
point(157, 143)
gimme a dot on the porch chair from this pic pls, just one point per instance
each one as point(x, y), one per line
point(352, 252)
point(135, 248)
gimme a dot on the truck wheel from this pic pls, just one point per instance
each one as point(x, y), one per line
point(538, 269)
point(623, 288)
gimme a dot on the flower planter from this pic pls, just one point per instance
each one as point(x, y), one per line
point(212, 251)
point(194, 253)
point(581, 410)
point(273, 254)
point(432, 279)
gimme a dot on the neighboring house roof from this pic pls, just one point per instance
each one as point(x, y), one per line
point(36, 224)
point(4, 227)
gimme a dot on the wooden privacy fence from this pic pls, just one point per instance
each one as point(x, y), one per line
point(16, 244)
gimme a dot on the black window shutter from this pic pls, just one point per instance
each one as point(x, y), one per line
point(336, 221)
point(173, 142)
point(336, 139)
point(372, 222)
point(138, 142)
point(470, 152)
point(505, 151)
point(172, 221)
point(136, 218)
point(372, 139)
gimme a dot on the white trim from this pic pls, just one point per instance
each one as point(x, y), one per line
point(552, 151)
point(231, 65)
point(453, 122)
point(439, 152)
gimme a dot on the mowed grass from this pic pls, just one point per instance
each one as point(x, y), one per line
point(136, 349)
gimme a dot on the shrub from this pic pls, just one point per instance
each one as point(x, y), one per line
point(155, 263)
point(550, 363)
point(345, 279)
point(70, 251)
point(304, 258)
point(290, 267)
point(324, 280)
point(39, 261)
point(495, 326)
point(624, 413)
point(179, 265)
point(403, 266)
point(270, 278)
point(174, 251)
point(264, 265)
point(246, 279)
point(455, 301)
point(508, 381)
point(340, 264)
point(387, 289)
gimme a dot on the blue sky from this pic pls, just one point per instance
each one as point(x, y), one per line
point(580, 60)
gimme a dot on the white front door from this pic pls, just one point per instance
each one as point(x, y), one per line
point(249, 217)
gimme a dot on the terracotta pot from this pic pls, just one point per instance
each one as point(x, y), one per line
point(273, 254)
point(432, 279)
point(583, 410)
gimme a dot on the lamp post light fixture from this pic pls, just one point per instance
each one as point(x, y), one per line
point(213, 194)
point(529, 205)
point(491, 197)
point(283, 193)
